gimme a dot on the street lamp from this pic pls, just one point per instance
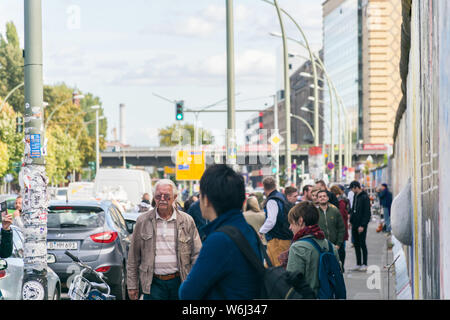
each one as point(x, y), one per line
point(332, 90)
point(287, 94)
point(97, 153)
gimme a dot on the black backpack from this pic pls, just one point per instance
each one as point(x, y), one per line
point(276, 282)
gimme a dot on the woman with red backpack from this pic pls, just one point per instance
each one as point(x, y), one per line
point(344, 208)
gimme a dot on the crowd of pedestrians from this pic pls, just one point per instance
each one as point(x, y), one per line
point(178, 255)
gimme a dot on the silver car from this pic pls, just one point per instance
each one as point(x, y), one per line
point(11, 278)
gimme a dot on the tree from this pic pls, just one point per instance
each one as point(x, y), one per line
point(170, 135)
point(8, 136)
point(11, 67)
point(62, 155)
point(4, 158)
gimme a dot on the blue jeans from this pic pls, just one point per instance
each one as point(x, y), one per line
point(387, 218)
point(164, 289)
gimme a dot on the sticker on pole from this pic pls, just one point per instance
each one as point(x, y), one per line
point(330, 165)
point(35, 145)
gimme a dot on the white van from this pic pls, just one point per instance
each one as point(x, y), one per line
point(80, 191)
point(132, 182)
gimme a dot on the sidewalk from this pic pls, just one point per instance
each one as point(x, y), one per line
point(373, 284)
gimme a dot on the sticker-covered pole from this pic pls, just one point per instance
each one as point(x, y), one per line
point(32, 178)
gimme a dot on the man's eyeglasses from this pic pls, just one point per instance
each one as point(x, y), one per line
point(163, 196)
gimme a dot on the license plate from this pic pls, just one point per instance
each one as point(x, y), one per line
point(62, 245)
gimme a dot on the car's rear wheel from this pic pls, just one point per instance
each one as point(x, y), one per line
point(120, 290)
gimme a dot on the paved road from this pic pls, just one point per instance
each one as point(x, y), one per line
point(373, 284)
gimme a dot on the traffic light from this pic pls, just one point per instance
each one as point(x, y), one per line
point(19, 124)
point(92, 165)
point(179, 110)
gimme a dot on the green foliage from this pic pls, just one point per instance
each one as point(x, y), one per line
point(11, 70)
point(62, 155)
point(71, 142)
point(9, 137)
point(170, 136)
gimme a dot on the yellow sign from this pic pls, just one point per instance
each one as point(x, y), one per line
point(190, 165)
point(169, 170)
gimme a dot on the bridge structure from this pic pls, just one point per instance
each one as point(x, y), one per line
point(254, 157)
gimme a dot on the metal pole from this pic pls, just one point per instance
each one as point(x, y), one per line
point(34, 189)
point(277, 147)
point(294, 172)
point(97, 155)
point(231, 124)
point(339, 177)
point(287, 97)
point(196, 131)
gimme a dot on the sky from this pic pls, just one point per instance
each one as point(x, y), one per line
point(124, 52)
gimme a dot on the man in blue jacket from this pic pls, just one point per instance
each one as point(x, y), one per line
point(221, 271)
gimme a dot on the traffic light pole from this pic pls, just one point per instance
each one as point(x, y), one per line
point(33, 179)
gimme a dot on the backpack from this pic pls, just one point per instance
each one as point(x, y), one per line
point(276, 282)
point(332, 285)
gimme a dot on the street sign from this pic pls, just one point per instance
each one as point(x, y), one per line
point(275, 139)
point(330, 165)
point(190, 165)
point(294, 166)
point(9, 178)
point(169, 170)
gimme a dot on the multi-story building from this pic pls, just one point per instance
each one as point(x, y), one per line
point(343, 61)
point(361, 40)
point(381, 29)
point(301, 90)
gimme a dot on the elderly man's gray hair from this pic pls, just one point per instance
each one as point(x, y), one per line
point(166, 182)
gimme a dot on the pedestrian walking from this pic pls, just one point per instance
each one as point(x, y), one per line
point(359, 219)
point(145, 203)
point(164, 246)
point(6, 236)
point(189, 202)
point(332, 198)
point(254, 215)
point(385, 201)
point(291, 195)
point(315, 199)
point(344, 208)
point(330, 220)
point(222, 271)
point(303, 256)
point(196, 213)
point(306, 193)
point(276, 227)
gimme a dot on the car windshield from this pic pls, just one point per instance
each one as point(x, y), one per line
point(75, 217)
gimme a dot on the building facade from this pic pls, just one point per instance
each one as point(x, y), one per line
point(343, 61)
point(361, 55)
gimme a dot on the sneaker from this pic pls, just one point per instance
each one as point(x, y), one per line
point(355, 268)
point(363, 268)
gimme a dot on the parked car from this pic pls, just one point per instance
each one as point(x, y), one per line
point(11, 278)
point(61, 194)
point(130, 219)
point(134, 183)
point(96, 232)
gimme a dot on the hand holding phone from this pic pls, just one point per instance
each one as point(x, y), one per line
point(6, 221)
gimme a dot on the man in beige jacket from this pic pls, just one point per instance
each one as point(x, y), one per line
point(164, 247)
